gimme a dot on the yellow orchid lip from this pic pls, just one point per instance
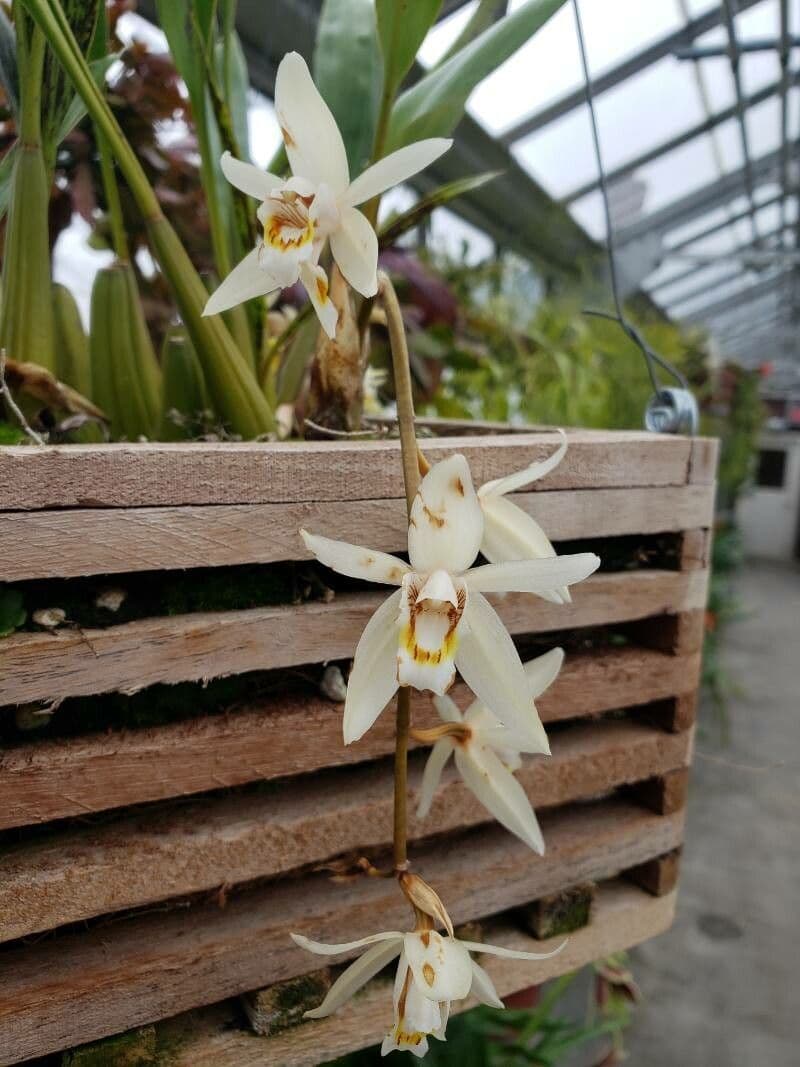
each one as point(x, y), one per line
point(431, 610)
point(288, 225)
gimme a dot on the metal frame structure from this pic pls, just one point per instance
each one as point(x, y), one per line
point(545, 231)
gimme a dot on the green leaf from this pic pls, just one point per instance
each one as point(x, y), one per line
point(57, 92)
point(399, 224)
point(234, 81)
point(348, 73)
point(174, 19)
point(482, 18)
point(402, 27)
point(433, 107)
point(77, 109)
point(6, 171)
point(12, 435)
point(12, 611)
point(9, 75)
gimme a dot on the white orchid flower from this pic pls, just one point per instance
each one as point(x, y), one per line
point(439, 620)
point(486, 754)
point(509, 533)
point(318, 203)
point(433, 970)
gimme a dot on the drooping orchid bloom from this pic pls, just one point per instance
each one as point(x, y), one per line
point(509, 533)
point(439, 620)
point(433, 970)
point(318, 203)
point(487, 753)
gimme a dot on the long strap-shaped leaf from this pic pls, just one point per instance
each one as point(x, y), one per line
point(232, 383)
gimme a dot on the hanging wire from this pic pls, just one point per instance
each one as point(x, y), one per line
point(652, 359)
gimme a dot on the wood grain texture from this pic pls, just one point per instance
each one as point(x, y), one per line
point(47, 780)
point(658, 876)
point(228, 840)
point(85, 985)
point(151, 475)
point(44, 666)
point(72, 542)
point(703, 460)
point(623, 917)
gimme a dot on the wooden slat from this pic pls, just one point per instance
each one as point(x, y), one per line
point(73, 542)
point(53, 779)
point(703, 460)
point(211, 644)
point(149, 475)
point(623, 917)
point(85, 985)
point(150, 857)
point(658, 876)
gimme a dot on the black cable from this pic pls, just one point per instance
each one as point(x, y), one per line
point(651, 358)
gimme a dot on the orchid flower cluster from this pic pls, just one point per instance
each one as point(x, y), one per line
point(436, 623)
point(438, 620)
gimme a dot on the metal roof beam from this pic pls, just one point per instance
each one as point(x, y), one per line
point(675, 142)
point(633, 65)
point(700, 202)
point(735, 58)
point(737, 299)
point(757, 44)
point(725, 223)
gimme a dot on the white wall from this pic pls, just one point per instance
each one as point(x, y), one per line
point(768, 518)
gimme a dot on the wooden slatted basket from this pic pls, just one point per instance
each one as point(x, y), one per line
point(158, 847)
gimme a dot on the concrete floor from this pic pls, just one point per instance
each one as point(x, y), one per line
point(722, 987)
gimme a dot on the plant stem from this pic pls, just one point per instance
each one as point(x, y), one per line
point(411, 478)
point(30, 119)
point(119, 237)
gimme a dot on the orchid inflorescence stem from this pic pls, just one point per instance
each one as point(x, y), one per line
point(411, 478)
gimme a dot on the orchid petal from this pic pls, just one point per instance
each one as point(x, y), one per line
point(373, 679)
point(395, 168)
point(446, 524)
point(483, 987)
point(423, 1014)
point(392, 1044)
point(509, 533)
point(500, 793)
point(440, 965)
point(322, 948)
point(354, 245)
point(247, 280)
point(543, 671)
point(511, 953)
point(439, 755)
point(315, 283)
point(429, 629)
point(531, 575)
point(512, 482)
point(248, 178)
point(447, 708)
point(355, 977)
point(354, 561)
point(313, 142)
point(491, 667)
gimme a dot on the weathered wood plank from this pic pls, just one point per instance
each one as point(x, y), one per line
point(212, 644)
point(695, 549)
point(84, 985)
point(703, 460)
point(72, 542)
point(658, 876)
point(676, 632)
point(154, 856)
point(148, 475)
point(665, 793)
point(622, 917)
point(53, 779)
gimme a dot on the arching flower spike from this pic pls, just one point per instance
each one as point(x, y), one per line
point(439, 619)
point(318, 203)
point(486, 754)
point(509, 533)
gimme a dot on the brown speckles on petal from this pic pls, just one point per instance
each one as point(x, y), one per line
point(458, 485)
point(288, 140)
point(432, 517)
point(425, 937)
point(429, 974)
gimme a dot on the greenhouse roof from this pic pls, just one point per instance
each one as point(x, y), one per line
point(698, 109)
